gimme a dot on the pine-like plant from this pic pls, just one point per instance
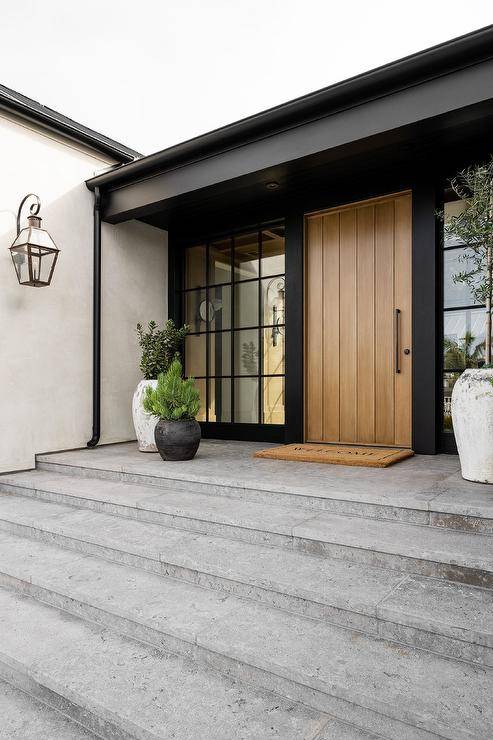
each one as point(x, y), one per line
point(174, 397)
point(159, 346)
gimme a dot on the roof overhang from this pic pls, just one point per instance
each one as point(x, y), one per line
point(427, 94)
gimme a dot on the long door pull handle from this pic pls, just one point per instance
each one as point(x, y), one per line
point(397, 339)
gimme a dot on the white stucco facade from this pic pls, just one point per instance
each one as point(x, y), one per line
point(46, 333)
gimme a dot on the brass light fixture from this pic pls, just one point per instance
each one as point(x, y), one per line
point(34, 253)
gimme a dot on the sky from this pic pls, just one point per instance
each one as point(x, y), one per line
point(151, 74)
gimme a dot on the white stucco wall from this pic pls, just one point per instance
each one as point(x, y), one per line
point(46, 333)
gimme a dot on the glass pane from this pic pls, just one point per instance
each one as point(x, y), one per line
point(220, 307)
point(273, 401)
point(273, 351)
point(246, 400)
point(273, 251)
point(196, 310)
point(220, 353)
point(220, 399)
point(195, 266)
point(195, 357)
point(450, 209)
point(273, 300)
point(220, 262)
point(246, 352)
point(463, 338)
point(201, 388)
point(449, 380)
point(246, 304)
point(246, 256)
point(456, 294)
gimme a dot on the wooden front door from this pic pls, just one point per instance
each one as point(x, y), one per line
point(358, 308)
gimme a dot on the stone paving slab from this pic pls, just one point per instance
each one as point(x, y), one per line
point(418, 687)
point(265, 645)
point(357, 596)
point(24, 718)
point(408, 484)
point(415, 546)
point(137, 689)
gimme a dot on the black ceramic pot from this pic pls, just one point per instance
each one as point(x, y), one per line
point(177, 440)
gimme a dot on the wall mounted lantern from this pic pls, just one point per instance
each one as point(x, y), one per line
point(34, 253)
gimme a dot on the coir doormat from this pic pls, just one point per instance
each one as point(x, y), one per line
point(370, 457)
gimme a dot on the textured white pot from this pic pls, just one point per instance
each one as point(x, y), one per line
point(472, 417)
point(144, 423)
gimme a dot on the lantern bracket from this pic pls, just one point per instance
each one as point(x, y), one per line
point(34, 209)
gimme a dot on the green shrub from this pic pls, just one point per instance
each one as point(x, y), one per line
point(159, 346)
point(174, 397)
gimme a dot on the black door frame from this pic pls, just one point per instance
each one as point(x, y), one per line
point(425, 304)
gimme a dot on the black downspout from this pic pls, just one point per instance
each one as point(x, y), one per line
point(96, 324)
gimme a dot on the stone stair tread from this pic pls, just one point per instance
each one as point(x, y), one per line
point(25, 718)
point(394, 538)
point(219, 509)
point(394, 680)
point(445, 608)
point(435, 544)
point(143, 691)
point(356, 587)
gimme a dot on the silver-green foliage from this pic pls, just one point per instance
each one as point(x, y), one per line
point(174, 397)
point(474, 227)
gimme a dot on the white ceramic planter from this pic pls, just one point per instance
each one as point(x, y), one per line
point(144, 423)
point(472, 417)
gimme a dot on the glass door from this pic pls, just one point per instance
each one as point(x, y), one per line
point(234, 302)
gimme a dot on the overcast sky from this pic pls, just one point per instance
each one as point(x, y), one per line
point(151, 74)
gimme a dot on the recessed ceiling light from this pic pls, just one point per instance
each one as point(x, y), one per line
point(272, 185)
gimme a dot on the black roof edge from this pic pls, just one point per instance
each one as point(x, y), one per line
point(433, 62)
point(30, 109)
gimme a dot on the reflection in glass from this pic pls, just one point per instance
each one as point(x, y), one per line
point(463, 338)
point(449, 380)
point(220, 307)
point(246, 400)
point(195, 266)
point(220, 353)
point(451, 209)
point(246, 304)
point(195, 356)
point(201, 416)
point(273, 400)
point(246, 352)
point(272, 251)
point(195, 310)
point(220, 399)
point(246, 256)
point(455, 294)
point(273, 350)
point(220, 262)
point(273, 300)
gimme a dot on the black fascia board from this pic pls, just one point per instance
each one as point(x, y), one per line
point(31, 110)
point(412, 70)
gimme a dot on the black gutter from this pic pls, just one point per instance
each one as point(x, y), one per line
point(96, 324)
point(411, 70)
point(10, 100)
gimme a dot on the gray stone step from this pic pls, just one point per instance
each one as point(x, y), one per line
point(367, 681)
point(445, 617)
point(430, 492)
point(466, 557)
point(25, 718)
point(125, 689)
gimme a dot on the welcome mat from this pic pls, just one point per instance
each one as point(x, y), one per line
point(369, 457)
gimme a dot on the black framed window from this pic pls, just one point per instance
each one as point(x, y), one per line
point(463, 319)
point(233, 298)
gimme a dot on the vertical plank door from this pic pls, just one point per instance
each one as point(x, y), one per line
point(358, 320)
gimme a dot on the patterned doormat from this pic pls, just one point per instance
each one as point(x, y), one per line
point(369, 457)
